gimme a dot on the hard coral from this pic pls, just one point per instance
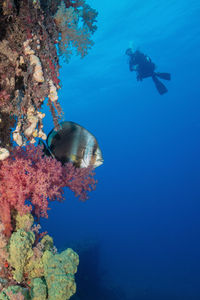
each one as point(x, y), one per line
point(59, 270)
point(14, 293)
point(28, 179)
point(20, 251)
point(36, 271)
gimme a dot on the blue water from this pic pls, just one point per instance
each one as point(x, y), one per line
point(145, 212)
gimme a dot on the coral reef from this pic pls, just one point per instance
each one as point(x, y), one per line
point(33, 269)
point(29, 180)
point(33, 34)
point(30, 268)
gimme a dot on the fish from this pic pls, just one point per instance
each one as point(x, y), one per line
point(73, 143)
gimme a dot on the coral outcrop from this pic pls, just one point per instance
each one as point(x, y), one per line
point(33, 269)
point(33, 33)
point(29, 180)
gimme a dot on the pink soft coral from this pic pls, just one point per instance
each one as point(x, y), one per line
point(28, 179)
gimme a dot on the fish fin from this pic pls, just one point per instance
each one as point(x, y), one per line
point(45, 148)
point(73, 158)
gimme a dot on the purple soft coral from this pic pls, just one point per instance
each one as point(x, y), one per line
point(28, 179)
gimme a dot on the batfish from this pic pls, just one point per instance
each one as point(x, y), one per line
point(73, 143)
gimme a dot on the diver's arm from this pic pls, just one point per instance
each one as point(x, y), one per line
point(131, 67)
point(133, 62)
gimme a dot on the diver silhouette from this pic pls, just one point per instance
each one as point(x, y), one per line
point(144, 67)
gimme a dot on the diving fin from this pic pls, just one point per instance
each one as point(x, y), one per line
point(166, 76)
point(159, 85)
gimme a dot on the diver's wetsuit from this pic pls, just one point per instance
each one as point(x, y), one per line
point(144, 67)
point(142, 64)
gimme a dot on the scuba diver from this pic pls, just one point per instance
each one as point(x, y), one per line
point(144, 67)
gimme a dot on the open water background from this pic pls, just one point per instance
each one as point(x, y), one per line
point(145, 213)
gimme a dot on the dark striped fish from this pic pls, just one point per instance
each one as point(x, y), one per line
point(73, 143)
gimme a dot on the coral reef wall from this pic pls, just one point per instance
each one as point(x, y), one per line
point(33, 35)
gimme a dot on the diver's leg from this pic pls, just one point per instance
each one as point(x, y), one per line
point(166, 76)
